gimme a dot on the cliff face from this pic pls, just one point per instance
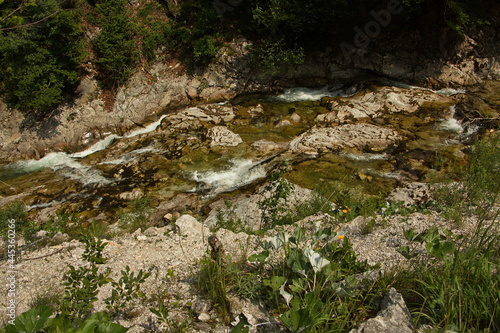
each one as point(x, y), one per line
point(167, 86)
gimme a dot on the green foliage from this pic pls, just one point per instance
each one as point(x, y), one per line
point(39, 61)
point(458, 288)
point(482, 176)
point(227, 218)
point(479, 190)
point(137, 214)
point(173, 325)
point(276, 58)
point(33, 320)
point(154, 30)
point(14, 211)
point(115, 48)
point(198, 32)
point(126, 289)
point(82, 284)
point(162, 312)
point(37, 320)
point(400, 208)
point(212, 281)
point(274, 205)
point(311, 280)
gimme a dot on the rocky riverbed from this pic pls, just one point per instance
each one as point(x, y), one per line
point(197, 165)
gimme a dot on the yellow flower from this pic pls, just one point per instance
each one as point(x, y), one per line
point(340, 237)
point(344, 211)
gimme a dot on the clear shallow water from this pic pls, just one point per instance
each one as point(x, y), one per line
point(69, 164)
point(147, 163)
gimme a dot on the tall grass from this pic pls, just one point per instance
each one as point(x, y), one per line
point(460, 291)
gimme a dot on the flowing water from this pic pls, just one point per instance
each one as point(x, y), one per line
point(162, 162)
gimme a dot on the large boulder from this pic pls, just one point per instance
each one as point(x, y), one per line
point(381, 101)
point(358, 136)
point(222, 136)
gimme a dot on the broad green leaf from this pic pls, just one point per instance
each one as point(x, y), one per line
point(110, 328)
point(32, 320)
point(316, 260)
point(260, 257)
point(406, 252)
point(274, 282)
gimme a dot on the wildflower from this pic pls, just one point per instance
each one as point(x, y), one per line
point(340, 237)
point(344, 211)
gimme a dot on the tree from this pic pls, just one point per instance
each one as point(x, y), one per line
point(114, 47)
point(41, 47)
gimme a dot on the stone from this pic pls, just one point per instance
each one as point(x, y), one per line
point(222, 136)
point(141, 238)
point(359, 136)
point(168, 217)
point(151, 232)
point(41, 234)
point(383, 100)
point(296, 117)
point(355, 226)
point(188, 225)
point(265, 146)
point(200, 305)
point(204, 317)
point(131, 195)
point(283, 123)
point(393, 317)
point(60, 238)
point(411, 194)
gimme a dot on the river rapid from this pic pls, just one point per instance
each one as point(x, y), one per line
point(408, 134)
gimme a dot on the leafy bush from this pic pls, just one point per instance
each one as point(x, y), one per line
point(198, 32)
point(115, 48)
point(82, 284)
point(39, 59)
point(37, 319)
point(274, 206)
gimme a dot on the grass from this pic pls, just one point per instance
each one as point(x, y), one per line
point(136, 215)
point(15, 211)
point(458, 288)
point(212, 281)
point(307, 280)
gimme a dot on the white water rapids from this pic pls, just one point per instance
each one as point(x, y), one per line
point(68, 164)
point(306, 94)
point(239, 173)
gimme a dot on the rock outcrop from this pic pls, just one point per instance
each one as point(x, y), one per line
point(360, 136)
point(378, 102)
point(222, 136)
point(394, 317)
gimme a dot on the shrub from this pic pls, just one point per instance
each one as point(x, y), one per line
point(39, 61)
point(115, 47)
